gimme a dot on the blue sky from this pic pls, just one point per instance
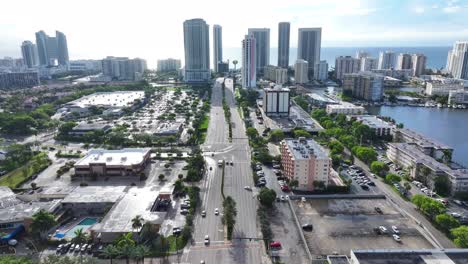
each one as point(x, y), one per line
point(152, 29)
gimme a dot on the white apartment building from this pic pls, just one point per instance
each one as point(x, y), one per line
point(276, 101)
point(380, 127)
point(458, 97)
point(306, 161)
point(301, 71)
point(345, 65)
point(409, 156)
point(443, 86)
point(345, 108)
point(169, 64)
point(281, 76)
point(249, 71)
point(321, 71)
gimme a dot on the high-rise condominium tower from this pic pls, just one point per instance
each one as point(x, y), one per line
point(197, 50)
point(52, 50)
point(387, 60)
point(283, 44)
point(217, 46)
point(457, 61)
point(418, 64)
point(309, 45)
point(262, 47)
point(404, 61)
point(249, 69)
point(29, 52)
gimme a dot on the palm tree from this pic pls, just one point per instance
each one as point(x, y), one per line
point(110, 252)
point(125, 240)
point(127, 251)
point(42, 221)
point(137, 222)
point(139, 253)
point(80, 236)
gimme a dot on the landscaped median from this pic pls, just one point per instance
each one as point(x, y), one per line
point(22, 174)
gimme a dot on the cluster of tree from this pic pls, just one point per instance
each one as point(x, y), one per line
point(267, 197)
point(247, 97)
point(259, 145)
point(276, 135)
point(366, 154)
point(16, 156)
point(440, 99)
point(26, 123)
point(428, 206)
point(302, 102)
point(227, 115)
point(264, 215)
point(392, 178)
point(229, 215)
point(379, 168)
point(195, 168)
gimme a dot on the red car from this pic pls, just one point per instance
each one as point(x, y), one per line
point(285, 188)
point(275, 245)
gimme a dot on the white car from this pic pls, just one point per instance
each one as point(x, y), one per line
point(383, 229)
point(397, 238)
point(216, 211)
point(207, 239)
point(456, 215)
point(282, 198)
point(395, 230)
point(248, 188)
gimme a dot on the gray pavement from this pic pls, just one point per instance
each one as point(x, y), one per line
point(236, 177)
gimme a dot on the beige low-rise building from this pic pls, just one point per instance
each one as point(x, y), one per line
point(123, 162)
point(307, 162)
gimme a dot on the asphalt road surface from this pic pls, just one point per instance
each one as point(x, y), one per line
point(218, 147)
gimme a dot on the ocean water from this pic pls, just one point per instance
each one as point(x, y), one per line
point(436, 56)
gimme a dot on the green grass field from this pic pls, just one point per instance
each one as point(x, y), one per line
point(16, 177)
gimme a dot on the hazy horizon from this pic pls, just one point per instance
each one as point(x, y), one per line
point(153, 30)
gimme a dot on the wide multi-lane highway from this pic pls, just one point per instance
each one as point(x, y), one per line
point(237, 176)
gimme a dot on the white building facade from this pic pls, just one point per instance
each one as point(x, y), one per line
point(249, 70)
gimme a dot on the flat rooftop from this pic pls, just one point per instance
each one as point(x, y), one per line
point(433, 164)
point(373, 121)
point(15, 210)
point(318, 97)
point(303, 149)
point(424, 256)
point(120, 157)
point(346, 105)
point(92, 126)
point(137, 201)
point(95, 194)
point(422, 140)
point(109, 99)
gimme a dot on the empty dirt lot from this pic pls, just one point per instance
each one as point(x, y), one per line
point(342, 225)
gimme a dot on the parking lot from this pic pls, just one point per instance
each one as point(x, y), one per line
point(342, 225)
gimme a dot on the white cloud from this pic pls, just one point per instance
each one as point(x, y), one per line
point(419, 10)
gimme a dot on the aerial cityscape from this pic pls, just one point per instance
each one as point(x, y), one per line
point(240, 141)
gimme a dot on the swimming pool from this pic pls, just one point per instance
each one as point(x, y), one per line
point(84, 224)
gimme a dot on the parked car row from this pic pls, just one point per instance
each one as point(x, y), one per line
point(424, 189)
point(74, 248)
point(382, 230)
point(358, 175)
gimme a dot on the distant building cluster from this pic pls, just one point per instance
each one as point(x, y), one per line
point(364, 85)
point(169, 65)
point(123, 68)
point(9, 80)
